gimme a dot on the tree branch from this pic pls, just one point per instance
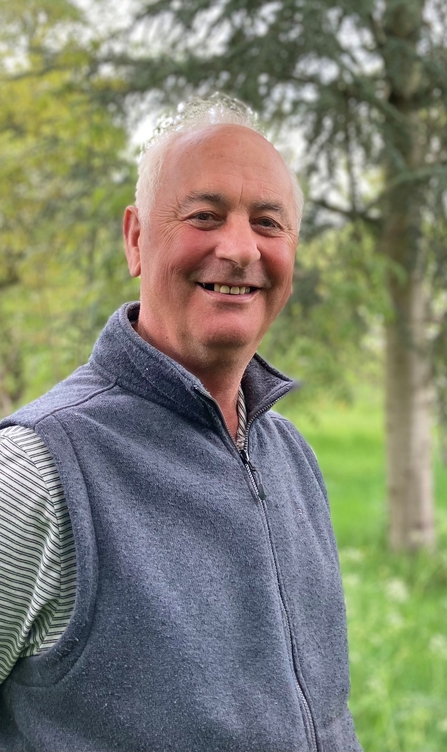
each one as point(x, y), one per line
point(349, 213)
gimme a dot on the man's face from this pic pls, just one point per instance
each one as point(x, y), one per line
point(216, 253)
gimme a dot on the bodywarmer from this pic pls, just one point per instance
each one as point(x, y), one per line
point(209, 613)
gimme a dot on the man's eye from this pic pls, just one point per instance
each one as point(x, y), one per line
point(203, 216)
point(267, 222)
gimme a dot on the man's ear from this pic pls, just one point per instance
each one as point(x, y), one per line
point(131, 232)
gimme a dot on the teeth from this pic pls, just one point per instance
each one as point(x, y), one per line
point(231, 290)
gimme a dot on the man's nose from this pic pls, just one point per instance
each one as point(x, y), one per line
point(238, 243)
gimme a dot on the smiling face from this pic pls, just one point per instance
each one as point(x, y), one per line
point(216, 252)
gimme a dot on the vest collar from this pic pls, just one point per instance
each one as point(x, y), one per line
point(139, 367)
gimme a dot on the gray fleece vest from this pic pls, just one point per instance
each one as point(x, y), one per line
point(207, 618)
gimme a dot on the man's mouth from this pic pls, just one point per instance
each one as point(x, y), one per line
point(227, 289)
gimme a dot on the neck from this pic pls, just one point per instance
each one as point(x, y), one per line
point(225, 391)
point(220, 374)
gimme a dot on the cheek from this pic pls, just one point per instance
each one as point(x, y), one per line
point(282, 298)
point(192, 245)
point(280, 269)
point(184, 248)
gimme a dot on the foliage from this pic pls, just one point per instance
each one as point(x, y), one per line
point(329, 335)
point(65, 180)
point(329, 69)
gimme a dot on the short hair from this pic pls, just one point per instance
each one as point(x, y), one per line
point(193, 115)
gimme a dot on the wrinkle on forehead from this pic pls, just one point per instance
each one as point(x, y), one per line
point(222, 200)
point(222, 135)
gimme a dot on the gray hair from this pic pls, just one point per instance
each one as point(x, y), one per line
point(193, 115)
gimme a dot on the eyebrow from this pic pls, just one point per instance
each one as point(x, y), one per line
point(209, 198)
point(220, 199)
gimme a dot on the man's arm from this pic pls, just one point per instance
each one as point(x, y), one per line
point(37, 557)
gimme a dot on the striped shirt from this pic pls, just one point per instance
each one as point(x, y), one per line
point(37, 550)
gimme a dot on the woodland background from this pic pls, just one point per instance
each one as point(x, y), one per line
point(356, 95)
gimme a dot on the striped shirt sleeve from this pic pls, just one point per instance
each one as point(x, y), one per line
point(37, 550)
point(37, 553)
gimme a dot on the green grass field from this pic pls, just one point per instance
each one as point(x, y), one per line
point(397, 606)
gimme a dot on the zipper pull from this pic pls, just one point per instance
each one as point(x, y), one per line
point(256, 475)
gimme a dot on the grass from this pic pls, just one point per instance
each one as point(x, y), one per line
point(396, 605)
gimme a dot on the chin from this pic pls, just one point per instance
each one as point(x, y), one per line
point(231, 340)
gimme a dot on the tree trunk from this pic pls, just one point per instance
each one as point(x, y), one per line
point(408, 422)
point(408, 358)
point(408, 371)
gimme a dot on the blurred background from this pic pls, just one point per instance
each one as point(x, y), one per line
point(355, 94)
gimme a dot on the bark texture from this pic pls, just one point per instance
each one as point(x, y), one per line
point(408, 361)
point(408, 410)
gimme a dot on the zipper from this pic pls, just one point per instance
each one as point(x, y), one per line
point(254, 475)
point(301, 695)
point(260, 492)
point(256, 481)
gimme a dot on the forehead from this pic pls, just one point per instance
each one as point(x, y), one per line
point(231, 156)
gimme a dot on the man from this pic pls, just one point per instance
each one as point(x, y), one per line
point(209, 613)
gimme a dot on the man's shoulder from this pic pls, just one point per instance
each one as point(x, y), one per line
point(81, 386)
point(287, 428)
point(294, 438)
